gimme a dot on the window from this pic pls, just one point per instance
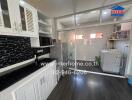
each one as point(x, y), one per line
point(92, 36)
point(97, 35)
point(79, 36)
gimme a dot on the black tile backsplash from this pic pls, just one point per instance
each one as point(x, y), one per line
point(14, 50)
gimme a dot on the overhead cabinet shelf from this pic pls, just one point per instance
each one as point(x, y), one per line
point(43, 32)
point(44, 23)
point(120, 36)
point(22, 23)
point(45, 26)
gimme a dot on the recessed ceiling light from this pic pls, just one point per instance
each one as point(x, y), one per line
point(105, 13)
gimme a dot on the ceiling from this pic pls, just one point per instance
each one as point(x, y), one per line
point(55, 8)
point(84, 18)
point(94, 17)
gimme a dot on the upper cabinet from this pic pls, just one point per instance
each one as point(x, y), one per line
point(28, 19)
point(5, 13)
point(5, 19)
point(45, 24)
point(46, 28)
point(18, 18)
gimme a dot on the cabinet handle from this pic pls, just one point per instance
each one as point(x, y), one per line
point(20, 27)
point(15, 26)
point(42, 81)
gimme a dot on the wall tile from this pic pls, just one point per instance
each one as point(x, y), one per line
point(14, 50)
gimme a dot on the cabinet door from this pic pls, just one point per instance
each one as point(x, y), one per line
point(42, 86)
point(20, 95)
point(23, 18)
point(51, 79)
point(5, 16)
point(28, 17)
point(31, 20)
point(27, 92)
point(54, 75)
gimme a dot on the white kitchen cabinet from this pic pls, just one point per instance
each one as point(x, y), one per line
point(26, 92)
point(28, 20)
point(36, 86)
point(20, 95)
point(39, 86)
point(18, 18)
point(6, 96)
point(45, 82)
point(7, 22)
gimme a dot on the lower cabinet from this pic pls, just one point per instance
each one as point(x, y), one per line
point(26, 92)
point(40, 87)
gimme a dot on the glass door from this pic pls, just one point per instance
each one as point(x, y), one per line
point(87, 46)
point(67, 39)
point(66, 35)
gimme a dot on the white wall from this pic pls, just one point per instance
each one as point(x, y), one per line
point(129, 62)
point(126, 26)
point(128, 14)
